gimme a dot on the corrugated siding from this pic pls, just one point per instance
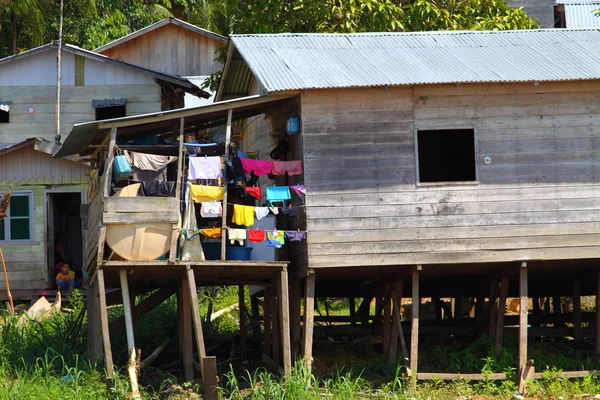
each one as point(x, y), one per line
point(27, 166)
point(582, 15)
point(308, 61)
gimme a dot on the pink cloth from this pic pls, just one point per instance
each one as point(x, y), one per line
point(291, 167)
point(260, 167)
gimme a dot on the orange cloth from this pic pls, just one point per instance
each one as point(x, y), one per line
point(212, 232)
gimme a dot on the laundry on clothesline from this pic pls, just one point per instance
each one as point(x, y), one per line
point(295, 236)
point(259, 167)
point(236, 235)
point(201, 193)
point(253, 191)
point(212, 232)
point(275, 239)
point(205, 168)
point(261, 212)
point(256, 235)
point(243, 215)
point(276, 194)
point(291, 167)
point(211, 209)
point(290, 213)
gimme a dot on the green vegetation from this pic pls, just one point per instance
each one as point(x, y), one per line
point(47, 360)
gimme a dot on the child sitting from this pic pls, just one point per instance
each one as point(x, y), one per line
point(65, 278)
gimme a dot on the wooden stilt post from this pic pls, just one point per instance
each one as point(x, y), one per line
point(437, 309)
point(185, 331)
point(387, 326)
point(284, 321)
point(577, 311)
point(523, 300)
point(378, 320)
point(242, 301)
point(598, 314)
point(94, 342)
point(267, 319)
point(493, 307)
point(352, 306)
point(127, 310)
point(276, 334)
point(309, 313)
point(196, 322)
point(500, 315)
point(414, 335)
point(176, 227)
point(397, 325)
point(224, 214)
point(295, 316)
point(108, 360)
point(209, 366)
point(479, 303)
point(557, 309)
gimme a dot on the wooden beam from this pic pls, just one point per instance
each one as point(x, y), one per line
point(295, 317)
point(224, 216)
point(276, 323)
point(577, 310)
point(242, 309)
point(387, 326)
point(197, 323)
point(523, 301)
point(148, 304)
point(414, 335)
point(469, 377)
point(352, 306)
point(397, 300)
point(500, 314)
point(94, 343)
point(309, 313)
point(493, 307)
point(108, 359)
point(284, 320)
point(185, 331)
point(108, 167)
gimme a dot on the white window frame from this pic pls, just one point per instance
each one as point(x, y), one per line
point(31, 239)
point(416, 130)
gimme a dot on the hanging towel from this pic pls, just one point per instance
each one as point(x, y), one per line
point(256, 235)
point(243, 215)
point(290, 214)
point(295, 236)
point(212, 232)
point(149, 162)
point(299, 189)
point(275, 239)
point(238, 235)
point(260, 167)
point(253, 191)
point(291, 167)
point(278, 193)
point(158, 189)
point(261, 212)
point(205, 168)
point(211, 209)
point(191, 249)
point(202, 193)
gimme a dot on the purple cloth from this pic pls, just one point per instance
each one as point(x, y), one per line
point(295, 236)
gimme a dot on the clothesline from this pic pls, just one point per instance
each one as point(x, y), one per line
point(273, 194)
point(274, 238)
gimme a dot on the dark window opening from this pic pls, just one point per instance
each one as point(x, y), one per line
point(446, 155)
point(4, 116)
point(110, 112)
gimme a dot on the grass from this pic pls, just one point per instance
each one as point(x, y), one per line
point(47, 360)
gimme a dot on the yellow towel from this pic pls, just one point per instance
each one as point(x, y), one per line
point(212, 232)
point(202, 193)
point(243, 215)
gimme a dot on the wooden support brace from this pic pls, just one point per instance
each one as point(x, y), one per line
point(242, 305)
point(108, 359)
point(185, 331)
point(267, 322)
point(127, 310)
point(493, 307)
point(500, 314)
point(193, 295)
point(209, 374)
point(414, 336)
point(309, 314)
point(139, 310)
point(284, 319)
point(523, 300)
point(387, 326)
point(397, 328)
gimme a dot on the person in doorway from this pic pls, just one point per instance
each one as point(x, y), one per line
point(65, 279)
point(59, 251)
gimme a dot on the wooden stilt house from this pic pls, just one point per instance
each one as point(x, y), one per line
point(438, 165)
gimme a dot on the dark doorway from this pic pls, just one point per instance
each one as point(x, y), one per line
point(65, 234)
point(110, 112)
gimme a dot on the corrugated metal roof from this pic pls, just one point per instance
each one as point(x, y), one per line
point(577, 2)
point(311, 61)
point(190, 100)
point(582, 15)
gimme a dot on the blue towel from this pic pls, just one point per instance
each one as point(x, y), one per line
point(278, 193)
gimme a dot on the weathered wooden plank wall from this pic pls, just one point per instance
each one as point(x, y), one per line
point(76, 107)
point(537, 199)
point(171, 49)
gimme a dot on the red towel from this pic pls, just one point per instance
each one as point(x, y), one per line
point(256, 235)
point(254, 191)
